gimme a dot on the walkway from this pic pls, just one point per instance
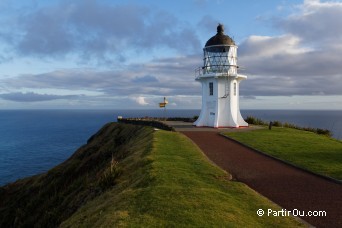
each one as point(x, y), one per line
point(285, 185)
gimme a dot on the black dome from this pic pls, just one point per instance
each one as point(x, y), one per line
point(220, 38)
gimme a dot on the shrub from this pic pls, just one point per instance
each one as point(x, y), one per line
point(277, 123)
point(255, 121)
point(324, 132)
point(109, 176)
point(289, 125)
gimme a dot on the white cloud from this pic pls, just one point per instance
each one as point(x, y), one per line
point(160, 77)
point(317, 23)
point(96, 31)
point(267, 46)
point(305, 60)
point(141, 101)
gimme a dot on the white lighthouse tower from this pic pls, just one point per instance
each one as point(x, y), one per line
point(220, 83)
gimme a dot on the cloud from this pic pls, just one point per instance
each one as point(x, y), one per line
point(145, 79)
point(141, 101)
point(93, 30)
point(248, 97)
point(267, 46)
point(303, 61)
point(34, 97)
point(159, 77)
point(318, 23)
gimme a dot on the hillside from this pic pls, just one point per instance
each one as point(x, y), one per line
point(48, 199)
point(133, 176)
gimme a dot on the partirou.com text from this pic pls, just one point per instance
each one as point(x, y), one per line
point(294, 212)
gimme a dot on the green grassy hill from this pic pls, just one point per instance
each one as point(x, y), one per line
point(132, 176)
point(317, 153)
point(48, 199)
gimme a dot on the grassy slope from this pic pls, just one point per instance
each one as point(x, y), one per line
point(314, 152)
point(48, 199)
point(175, 185)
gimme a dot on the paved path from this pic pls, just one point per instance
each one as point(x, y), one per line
point(188, 126)
point(285, 185)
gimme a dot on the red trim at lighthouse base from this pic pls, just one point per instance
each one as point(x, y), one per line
point(222, 126)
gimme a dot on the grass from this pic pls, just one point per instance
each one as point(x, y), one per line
point(48, 199)
point(173, 184)
point(277, 123)
point(314, 152)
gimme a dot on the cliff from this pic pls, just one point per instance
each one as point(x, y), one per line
point(48, 199)
point(133, 176)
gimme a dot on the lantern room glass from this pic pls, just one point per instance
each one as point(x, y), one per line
point(219, 59)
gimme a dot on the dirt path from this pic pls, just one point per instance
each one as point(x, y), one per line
point(285, 185)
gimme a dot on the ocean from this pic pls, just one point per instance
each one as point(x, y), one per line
point(34, 141)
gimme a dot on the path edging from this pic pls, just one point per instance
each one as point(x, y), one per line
point(283, 161)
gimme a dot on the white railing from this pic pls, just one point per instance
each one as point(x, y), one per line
point(198, 72)
point(223, 71)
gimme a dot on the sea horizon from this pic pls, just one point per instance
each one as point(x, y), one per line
point(33, 141)
point(123, 109)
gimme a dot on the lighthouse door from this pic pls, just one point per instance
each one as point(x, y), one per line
point(211, 117)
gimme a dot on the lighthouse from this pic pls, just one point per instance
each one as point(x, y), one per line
point(220, 83)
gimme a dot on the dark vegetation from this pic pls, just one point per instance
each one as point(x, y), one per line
point(152, 122)
point(185, 119)
point(156, 121)
point(276, 123)
point(47, 199)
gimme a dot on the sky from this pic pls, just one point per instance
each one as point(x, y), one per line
point(98, 54)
